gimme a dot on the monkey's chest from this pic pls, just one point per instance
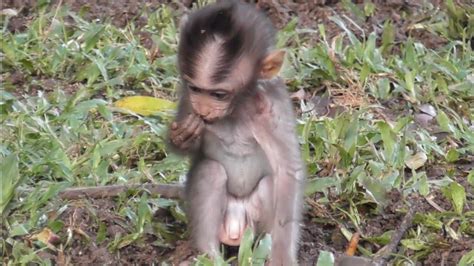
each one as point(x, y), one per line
point(243, 159)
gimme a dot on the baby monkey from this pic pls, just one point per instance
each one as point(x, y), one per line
point(235, 120)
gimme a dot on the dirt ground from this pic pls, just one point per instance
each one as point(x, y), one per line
point(320, 231)
point(309, 13)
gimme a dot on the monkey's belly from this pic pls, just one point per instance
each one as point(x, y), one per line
point(244, 161)
point(244, 173)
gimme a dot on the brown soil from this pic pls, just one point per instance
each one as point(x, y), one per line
point(309, 14)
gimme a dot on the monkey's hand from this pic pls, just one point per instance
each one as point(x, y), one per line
point(185, 133)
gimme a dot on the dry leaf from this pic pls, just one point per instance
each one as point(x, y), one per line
point(428, 109)
point(299, 95)
point(47, 237)
point(416, 161)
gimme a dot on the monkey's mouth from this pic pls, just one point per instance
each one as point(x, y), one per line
point(209, 121)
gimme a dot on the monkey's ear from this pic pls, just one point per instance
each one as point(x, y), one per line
point(271, 64)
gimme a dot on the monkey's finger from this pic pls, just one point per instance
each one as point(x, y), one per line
point(183, 124)
point(177, 140)
point(200, 127)
point(191, 129)
point(196, 134)
point(174, 126)
point(179, 131)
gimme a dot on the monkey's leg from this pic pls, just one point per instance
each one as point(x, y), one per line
point(207, 199)
point(261, 205)
point(285, 231)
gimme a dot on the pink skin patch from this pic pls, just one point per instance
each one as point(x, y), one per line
point(238, 217)
point(229, 240)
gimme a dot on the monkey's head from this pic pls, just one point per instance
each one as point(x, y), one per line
point(224, 49)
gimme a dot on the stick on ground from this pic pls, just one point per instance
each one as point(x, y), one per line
point(165, 191)
point(382, 256)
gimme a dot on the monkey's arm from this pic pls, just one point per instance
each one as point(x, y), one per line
point(275, 131)
point(184, 136)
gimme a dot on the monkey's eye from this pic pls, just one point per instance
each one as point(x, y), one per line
point(219, 95)
point(194, 89)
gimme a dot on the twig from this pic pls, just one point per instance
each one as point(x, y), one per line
point(351, 249)
point(382, 256)
point(165, 191)
point(429, 199)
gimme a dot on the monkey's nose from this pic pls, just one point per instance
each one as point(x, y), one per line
point(204, 113)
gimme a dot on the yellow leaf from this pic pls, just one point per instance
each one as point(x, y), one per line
point(47, 237)
point(144, 105)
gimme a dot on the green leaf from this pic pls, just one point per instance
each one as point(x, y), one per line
point(410, 84)
point(110, 148)
point(40, 197)
point(89, 72)
point(245, 249)
point(95, 158)
point(83, 108)
point(350, 34)
point(414, 244)
point(18, 230)
point(452, 155)
point(23, 254)
point(375, 188)
point(105, 112)
point(125, 241)
point(424, 187)
point(388, 138)
point(401, 124)
point(369, 9)
point(457, 195)
point(263, 250)
point(351, 136)
point(354, 9)
point(429, 220)
point(364, 72)
point(144, 213)
point(444, 122)
point(9, 51)
point(470, 178)
point(56, 225)
point(383, 239)
point(383, 88)
point(319, 185)
point(92, 36)
point(388, 36)
point(9, 180)
point(203, 260)
point(101, 232)
point(325, 258)
point(467, 259)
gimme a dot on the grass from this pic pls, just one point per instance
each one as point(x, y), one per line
point(59, 128)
